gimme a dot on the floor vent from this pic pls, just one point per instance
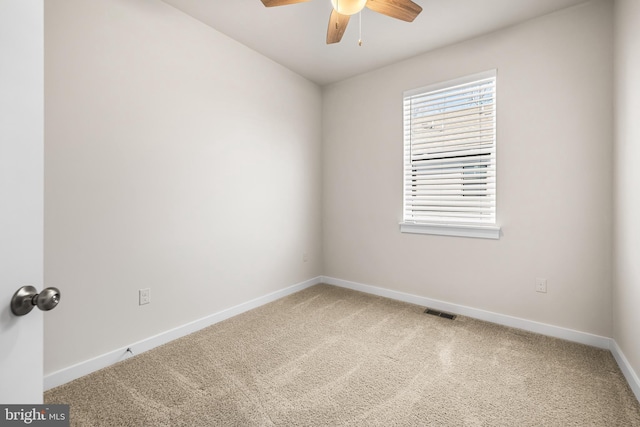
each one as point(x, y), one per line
point(440, 314)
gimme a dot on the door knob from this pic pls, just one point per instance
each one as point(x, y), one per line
point(27, 297)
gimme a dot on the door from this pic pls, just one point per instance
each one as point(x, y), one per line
point(21, 195)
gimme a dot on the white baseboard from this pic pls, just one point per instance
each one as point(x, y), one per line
point(501, 319)
point(71, 373)
point(81, 369)
point(625, 367)
point(528, 325)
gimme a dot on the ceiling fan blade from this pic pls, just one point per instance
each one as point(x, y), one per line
point(271, 3)
point(405, 10)
point(337, 25)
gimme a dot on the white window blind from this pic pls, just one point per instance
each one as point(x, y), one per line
point(450, 152)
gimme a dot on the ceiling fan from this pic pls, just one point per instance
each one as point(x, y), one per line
point(405, 10)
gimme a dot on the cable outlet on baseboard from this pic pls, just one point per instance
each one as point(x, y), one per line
point(541, 285)
point(144, 296)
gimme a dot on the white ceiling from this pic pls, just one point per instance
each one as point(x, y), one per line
point(294, 35)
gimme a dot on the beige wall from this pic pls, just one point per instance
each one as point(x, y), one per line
point(626, 295)
point(175, 159)
point(554, 147)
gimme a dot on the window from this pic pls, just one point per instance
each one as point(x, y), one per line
point(450, 158)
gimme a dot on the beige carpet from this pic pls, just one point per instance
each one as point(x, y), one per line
point(327, 356)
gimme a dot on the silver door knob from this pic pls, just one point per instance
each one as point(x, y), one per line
point(28, 297)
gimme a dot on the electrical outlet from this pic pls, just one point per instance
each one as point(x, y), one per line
point(305, 257)
point(144, 296)
point(541, 285)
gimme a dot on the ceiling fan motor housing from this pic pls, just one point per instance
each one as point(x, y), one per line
point(348, 7)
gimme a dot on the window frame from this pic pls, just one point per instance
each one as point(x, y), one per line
point(477, 229)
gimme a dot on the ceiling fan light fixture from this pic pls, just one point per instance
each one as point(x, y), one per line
point(348, 7)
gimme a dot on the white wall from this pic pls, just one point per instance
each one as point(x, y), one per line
point(555, 129)
point(626, 295)
point(175, 159)
point(178, 159)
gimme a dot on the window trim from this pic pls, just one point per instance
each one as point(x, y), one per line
point(468, 229)
point(455, 230)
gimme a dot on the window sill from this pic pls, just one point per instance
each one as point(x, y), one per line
point(457, 230)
